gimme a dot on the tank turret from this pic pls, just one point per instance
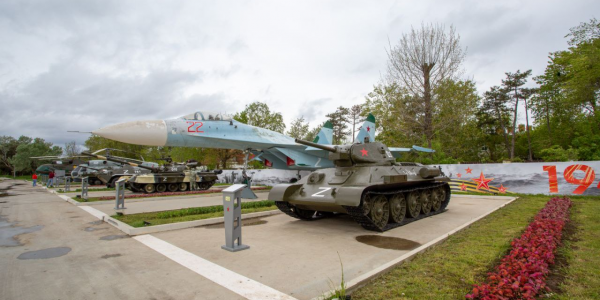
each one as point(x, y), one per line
point(369, 185)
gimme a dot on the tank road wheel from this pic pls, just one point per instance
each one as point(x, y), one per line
point(380, 212)
point(413, 204)
point(367, 203)
point(97, 182)
point(161, 188)
point(436, 199)
point(425, 198)
point(397, 208)
point(183, 186)
point(305, 214)
point(173, 187)
point(149, 188)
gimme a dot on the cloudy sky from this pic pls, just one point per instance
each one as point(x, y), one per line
point(82, 65)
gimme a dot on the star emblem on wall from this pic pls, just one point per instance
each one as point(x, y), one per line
point(483, 182)
point(502, 189)
point(364, 152)
point(463, 187)
point(458, 175)
point(468, 170)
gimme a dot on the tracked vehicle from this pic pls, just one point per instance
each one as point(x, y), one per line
point(369, 185)
point(170, 177)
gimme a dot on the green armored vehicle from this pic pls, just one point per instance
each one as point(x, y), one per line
point(170, 177)
point(369, 185)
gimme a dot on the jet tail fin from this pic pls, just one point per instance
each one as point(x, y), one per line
point(366, 130)
point(325, 136)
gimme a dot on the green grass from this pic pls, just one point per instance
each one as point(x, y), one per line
point(582, 252)
point(449, 270)
point(89, 190)
point(190, 214)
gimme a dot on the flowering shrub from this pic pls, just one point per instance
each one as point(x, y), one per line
point(175, 193)
point(522, 273)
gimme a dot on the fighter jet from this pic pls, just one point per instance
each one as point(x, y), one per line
point(213, 130)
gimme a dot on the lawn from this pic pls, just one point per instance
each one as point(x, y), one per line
point(190, 214)
point(449, 270)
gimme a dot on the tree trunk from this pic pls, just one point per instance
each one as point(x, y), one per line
point(506, 144)
point(548, 122)
point(428, 124)
point(512, 147)
point(527, 128)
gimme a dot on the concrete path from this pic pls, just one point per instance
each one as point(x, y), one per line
point(298, 257)
point(101, 263)
point(286, 256)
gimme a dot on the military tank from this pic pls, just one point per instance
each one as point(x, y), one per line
point(170, 177)
point(369, 185)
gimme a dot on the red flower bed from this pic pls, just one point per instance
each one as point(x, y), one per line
point(173, 193)
point(522, 273)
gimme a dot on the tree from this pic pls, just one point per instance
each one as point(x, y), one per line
point(354, 116)
point(72, 149)
point(495, 101)
point(94, 143)
point(513, 84)
point(299, 128)
point(421, 61)
point(258, 114)
point(339, 121)
point(22, 161)
point(8, 148)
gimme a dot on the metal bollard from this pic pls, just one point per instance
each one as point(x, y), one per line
point(232, 209)
point(193, 184)
point(68, 184)
point(120, 197)
point(84, 188)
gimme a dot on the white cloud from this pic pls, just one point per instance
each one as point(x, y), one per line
point(80, 65)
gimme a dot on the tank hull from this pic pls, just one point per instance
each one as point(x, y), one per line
point(377, 197)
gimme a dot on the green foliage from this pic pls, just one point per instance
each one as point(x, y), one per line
point(299, 128)
point(557, 153)
point(339, 120)
point(38, 147)
point(258, 114)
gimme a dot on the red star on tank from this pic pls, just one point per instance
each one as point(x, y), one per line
point(364, 152)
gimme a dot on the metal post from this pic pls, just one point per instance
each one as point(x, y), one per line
point(120, 197)
point(232, 209)
point(84, 188)
point(68, 184)
point(193, 184)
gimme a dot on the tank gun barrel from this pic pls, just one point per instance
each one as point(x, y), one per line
point(113, 159)
point(315, 145)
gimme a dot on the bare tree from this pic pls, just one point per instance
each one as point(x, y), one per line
point(421, 61)
point(72, 149)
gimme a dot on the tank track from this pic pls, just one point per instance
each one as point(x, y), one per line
point(359, 216)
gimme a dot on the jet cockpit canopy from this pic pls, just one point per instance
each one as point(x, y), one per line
point(207, 116)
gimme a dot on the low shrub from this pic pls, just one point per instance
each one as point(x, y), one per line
point(522, 273)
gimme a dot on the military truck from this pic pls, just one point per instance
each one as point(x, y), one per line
point(369, 185)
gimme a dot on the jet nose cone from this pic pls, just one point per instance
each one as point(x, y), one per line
point(149, 133)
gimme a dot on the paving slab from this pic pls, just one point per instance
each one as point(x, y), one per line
point(100, 263)
point(300, 257)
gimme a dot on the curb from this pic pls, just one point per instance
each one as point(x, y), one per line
point(362, 280)
point(132, 231)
